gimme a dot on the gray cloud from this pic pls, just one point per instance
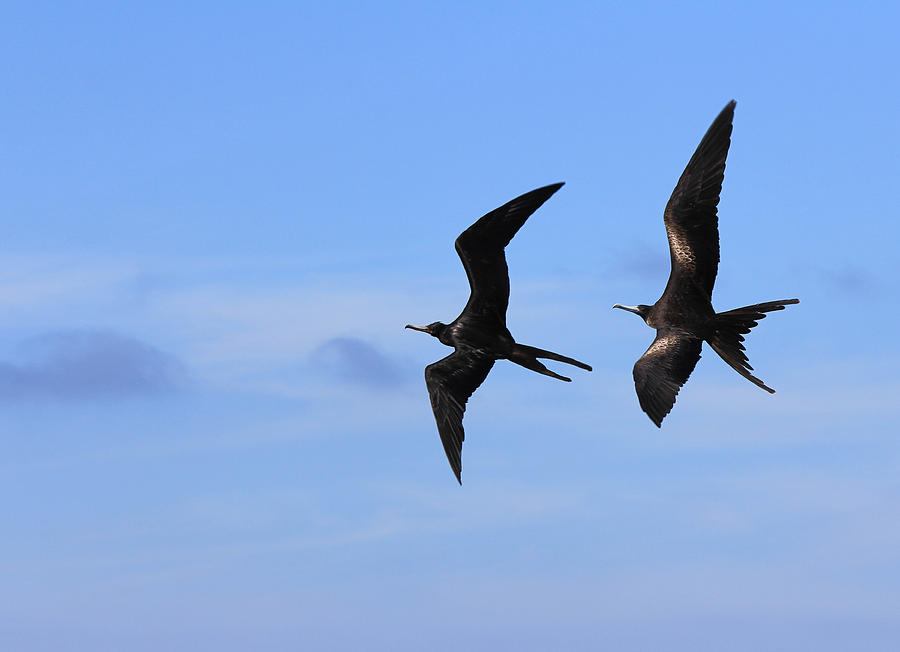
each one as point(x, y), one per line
point(356, 361)
point(851, 279)
point(88, 364)
point(643, 261)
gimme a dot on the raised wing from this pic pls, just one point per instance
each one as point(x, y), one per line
point(480, 247)
point(451, 382)
point(662, 370)
point(690, 216)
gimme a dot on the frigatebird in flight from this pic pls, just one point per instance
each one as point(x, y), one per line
point(684, 317)
point(479, 335)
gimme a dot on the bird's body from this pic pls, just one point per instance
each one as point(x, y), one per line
point(684, 316)
point(479, 335)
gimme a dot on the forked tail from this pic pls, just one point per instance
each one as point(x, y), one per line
point(731, 327)
point(525, 355)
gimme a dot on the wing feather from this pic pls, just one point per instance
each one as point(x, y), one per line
point(480, 247)
point(662, 370)
point(451, 381)
point(691, 216)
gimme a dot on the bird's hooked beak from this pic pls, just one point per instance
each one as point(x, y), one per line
point(423, 329)
point(633, 309)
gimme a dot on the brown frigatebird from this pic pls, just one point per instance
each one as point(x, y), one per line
point(479, 335)
point(684, 317)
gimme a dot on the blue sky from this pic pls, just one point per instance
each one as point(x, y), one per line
point(217, 220)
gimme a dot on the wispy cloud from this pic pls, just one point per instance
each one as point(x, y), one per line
point(356, 361)
point(88, 364)
point(36, 284)
point(851, 279)
point(642, 261)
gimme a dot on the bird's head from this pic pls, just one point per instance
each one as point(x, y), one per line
point(641, 310)
point(435, 328)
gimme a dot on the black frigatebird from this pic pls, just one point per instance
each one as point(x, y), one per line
point(479, 335)
point(684, 317)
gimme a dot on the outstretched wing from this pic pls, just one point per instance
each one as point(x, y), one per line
point(662, 370)
point(451, 382)
point(691, 220)
point(480, 247)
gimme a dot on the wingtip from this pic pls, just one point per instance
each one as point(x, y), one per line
point(456, 467)
point(553, 187)
point(728, 109)
point(657, 421)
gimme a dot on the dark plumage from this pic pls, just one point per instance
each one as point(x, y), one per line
point(684, 317)
point(479, 335)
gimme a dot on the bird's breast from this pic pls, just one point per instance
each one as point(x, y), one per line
point(688, 314)
point(486, 339)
